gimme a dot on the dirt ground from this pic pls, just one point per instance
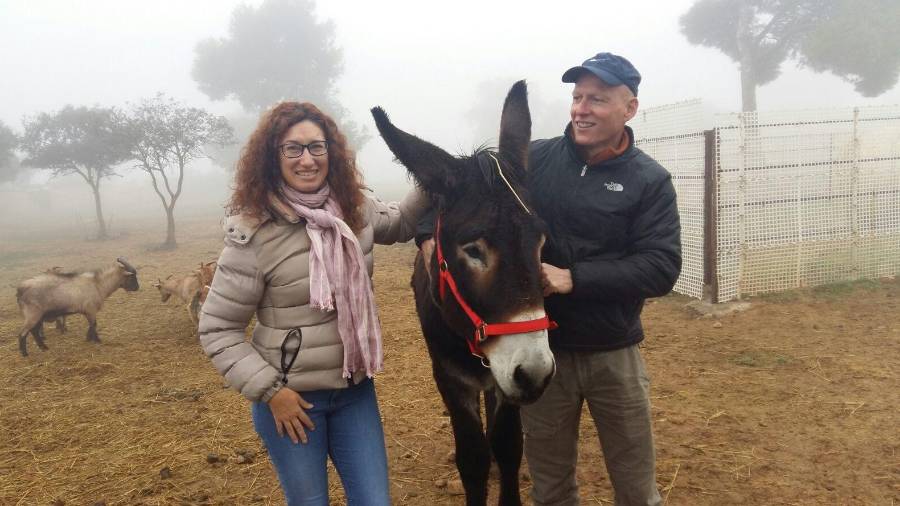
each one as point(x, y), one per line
point(794, 401)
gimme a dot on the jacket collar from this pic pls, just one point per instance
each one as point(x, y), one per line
point(573, 151)
point(281, 210)
point(240, 228)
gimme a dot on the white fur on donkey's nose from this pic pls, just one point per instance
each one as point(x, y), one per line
point(521, 363)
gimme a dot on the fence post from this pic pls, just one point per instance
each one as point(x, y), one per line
point(744, 146)
point(854, 200)
point(710, 217)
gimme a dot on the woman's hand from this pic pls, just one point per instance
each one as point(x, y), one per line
point(287, 408)
point(427, 249)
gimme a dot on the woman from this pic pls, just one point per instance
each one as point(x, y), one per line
point(298, 254)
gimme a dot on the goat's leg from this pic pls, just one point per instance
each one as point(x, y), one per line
point(505, 434)
point(192, 315)
point(38, 332)
point(194, 308)
point(92, 329)
point(23, 345)
point(32, 318)
point(473, 457)
point(61, 324)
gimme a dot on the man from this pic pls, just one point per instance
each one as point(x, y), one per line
point(613, 240)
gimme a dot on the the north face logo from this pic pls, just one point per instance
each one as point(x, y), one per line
point(614, 187)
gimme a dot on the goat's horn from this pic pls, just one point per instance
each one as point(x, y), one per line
point(128, 267)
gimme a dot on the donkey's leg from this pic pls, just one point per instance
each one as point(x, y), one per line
point(61, 324)
point(490, 408)
point(473, 458)
point(505, 434)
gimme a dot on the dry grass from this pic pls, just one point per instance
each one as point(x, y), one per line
point(792, 402)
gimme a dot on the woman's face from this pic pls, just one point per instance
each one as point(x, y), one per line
point(305, 173)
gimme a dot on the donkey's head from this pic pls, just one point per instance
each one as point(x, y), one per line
point(491, 243)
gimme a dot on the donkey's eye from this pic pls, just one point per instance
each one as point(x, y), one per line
point(473, 252)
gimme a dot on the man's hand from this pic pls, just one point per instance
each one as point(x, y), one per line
point(287, 408)
point(555, 280)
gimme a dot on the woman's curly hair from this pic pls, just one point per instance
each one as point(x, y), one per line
point(259, 170)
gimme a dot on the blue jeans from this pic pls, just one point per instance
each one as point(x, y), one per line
point(348, 429)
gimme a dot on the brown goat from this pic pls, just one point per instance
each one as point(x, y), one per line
point(206, 272)
point(52, 294)
point(184, 288)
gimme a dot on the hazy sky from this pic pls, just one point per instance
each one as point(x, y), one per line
point(422, 61)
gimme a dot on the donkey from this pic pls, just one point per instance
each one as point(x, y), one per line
point(479, 303)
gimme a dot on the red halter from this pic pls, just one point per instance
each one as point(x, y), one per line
point(483, 330)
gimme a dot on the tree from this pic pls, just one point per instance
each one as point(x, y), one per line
point(85, 141)
point(857, 40)
point(167, 136)
point(9, 166)
point(275, 52)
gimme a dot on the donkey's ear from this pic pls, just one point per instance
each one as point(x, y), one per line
point(515, 125)
point(431, 166)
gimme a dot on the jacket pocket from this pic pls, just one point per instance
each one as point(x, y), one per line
point(279, 347)
point(268, 338)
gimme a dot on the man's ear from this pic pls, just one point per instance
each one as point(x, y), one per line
point(631, 106)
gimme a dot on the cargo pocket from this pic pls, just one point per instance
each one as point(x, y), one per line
point(541, 420)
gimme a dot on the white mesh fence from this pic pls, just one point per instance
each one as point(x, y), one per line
point(806, 198)
point(673, 136)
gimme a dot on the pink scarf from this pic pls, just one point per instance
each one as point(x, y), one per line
point(338, 278)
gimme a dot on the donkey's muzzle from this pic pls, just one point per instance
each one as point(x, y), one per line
point(531, 387)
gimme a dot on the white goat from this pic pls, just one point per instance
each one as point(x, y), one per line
point(52, 294)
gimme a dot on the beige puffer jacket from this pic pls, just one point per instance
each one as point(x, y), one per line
point(264, 269)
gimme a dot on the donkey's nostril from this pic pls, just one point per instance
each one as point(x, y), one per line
point(522, 379)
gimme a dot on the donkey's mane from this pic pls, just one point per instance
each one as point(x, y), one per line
point(482, 160)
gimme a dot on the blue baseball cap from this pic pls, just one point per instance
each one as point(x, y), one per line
point(612, 69)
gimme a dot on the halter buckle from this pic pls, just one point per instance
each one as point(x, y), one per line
point(481, 333)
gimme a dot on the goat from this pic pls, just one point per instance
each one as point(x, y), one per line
point(206, 272)
point(52, 294)
point(185, 288)
point(60, 321)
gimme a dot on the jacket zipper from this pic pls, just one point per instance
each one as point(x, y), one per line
point(583, 170)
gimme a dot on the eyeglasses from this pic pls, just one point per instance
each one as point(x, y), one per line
point(290, 349)
point(295, 149)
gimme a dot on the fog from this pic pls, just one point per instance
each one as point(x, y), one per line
point(426, 63)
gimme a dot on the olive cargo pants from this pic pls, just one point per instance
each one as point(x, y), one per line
point(617, 390)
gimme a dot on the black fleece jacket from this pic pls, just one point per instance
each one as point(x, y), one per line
point(615, 226)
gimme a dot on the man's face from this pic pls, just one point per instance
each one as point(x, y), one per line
point(599, 113)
